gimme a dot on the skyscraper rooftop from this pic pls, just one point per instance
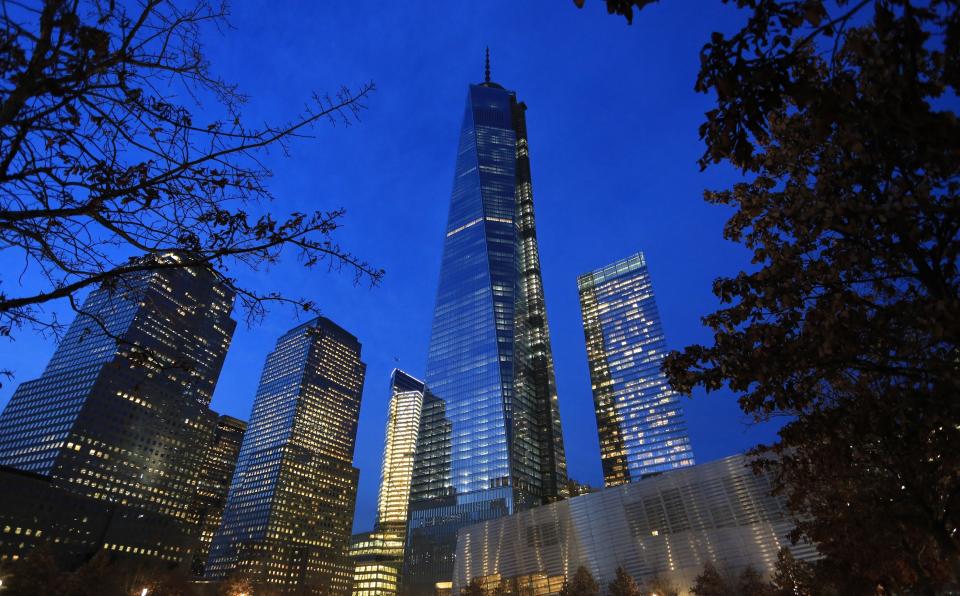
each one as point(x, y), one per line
point(639, 417)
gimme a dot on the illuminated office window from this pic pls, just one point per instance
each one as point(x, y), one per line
point(490, 441)
point(639, 418)
point(120, 414)
point(290, 508)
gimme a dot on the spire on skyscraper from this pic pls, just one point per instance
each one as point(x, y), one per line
point(486, 71)
point(489, 442)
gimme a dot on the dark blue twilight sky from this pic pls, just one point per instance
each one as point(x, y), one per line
point(613, 134)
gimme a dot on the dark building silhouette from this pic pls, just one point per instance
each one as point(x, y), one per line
point(35, 512)
point(120, 414)
point(219, 463)
point(289, 513)
point(490, 441)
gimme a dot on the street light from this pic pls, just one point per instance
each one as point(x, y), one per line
point(143, 592)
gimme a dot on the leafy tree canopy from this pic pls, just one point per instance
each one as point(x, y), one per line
point(842, 117)
point(582, 584)
point(623, 585)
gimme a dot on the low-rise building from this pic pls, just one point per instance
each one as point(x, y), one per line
point(377, 557)
point(664, 526)
point(35, 512)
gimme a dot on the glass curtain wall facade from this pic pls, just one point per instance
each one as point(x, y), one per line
point(120, 414)
point(290, 509)
point(219, 463)
point(400, 446)
point(490, 441)
point(639, 418)
point(378, 555)
point(666, 526)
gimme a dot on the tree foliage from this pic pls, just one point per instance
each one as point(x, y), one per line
point(235, 585)
point(102, 161)
point(582, 584)
point(792, 577)
point(37, 574)
point(623, 8)
point(842, 117)
point(661, 586)
point(474, 588)
point(41, 574)
point(623, 585)
point(752, 583)
point(711, 583)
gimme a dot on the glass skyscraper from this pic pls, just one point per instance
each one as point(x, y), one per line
point(219, 463)
point(639, 417)
point(378, 555)
point(403, 427)
point(290, 509)
point(376, 563)
point(490, 440)
point(120, 414)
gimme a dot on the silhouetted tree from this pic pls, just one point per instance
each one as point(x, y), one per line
point(160, 579)
point(623, 585)
point(792, 577)
point(751, 583)
point(522, 588)
point(235, 585)
point(103, 575)
point(621, 7)
point(661, 586)
point(99, 163)
point(711, 582)
point(582, 584)
point(848, 324)
point(474, 588)
point(36, 574)
point(97, 577)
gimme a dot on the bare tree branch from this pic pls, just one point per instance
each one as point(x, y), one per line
point(101, 163)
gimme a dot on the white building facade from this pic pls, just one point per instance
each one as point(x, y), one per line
point(665, 526)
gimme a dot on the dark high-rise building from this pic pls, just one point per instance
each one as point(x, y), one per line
point(120, 414)
point(36, 512)
point(639, 417)
point(219, 463)
point(290, 509)
point(490, 440)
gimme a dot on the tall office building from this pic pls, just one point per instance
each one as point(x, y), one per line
point(490, 439)
point(639, 417)
point(378, 555)
point(290, 509)
point(403, 427)
point(120, 412)
point(219, 463)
